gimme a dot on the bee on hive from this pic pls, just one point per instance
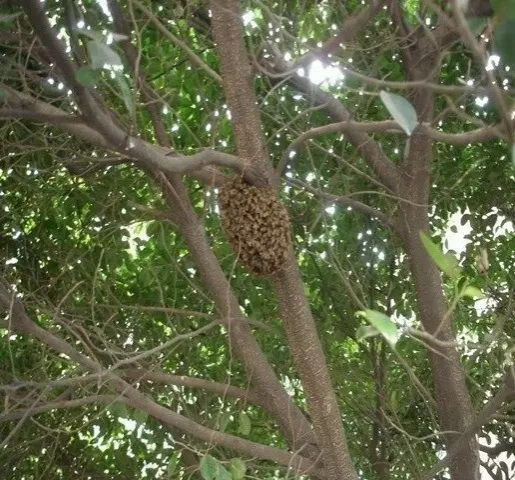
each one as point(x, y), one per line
point(256, 225)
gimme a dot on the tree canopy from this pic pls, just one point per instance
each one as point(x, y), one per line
point(262, 239)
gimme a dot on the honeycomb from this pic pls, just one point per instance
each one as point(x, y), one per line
point(256, 225)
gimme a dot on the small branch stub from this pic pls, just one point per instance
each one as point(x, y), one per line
point(257, 226)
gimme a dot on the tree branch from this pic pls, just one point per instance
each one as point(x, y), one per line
point(195, 60)
point(343, 200)
point(350, 28)
point(370, 150)
point(15, 414)
point(506, 392)
point(389, 126)
point(115, 137)
point(21, 323)
point(141, 375)
point(142, 152)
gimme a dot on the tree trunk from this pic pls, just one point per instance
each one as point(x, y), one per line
point(453, 404)
point(264, 381)
point(293, 305)
point(452, 399)
point(310, 362)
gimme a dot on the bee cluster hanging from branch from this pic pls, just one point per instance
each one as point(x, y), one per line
point(256, 224)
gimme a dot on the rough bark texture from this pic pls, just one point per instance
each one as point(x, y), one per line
point(298, 322)
point(452, 399)
point(310, 362)
point(264, 382)
point(237, 77)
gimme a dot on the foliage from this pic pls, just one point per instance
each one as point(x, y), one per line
point(88, 243)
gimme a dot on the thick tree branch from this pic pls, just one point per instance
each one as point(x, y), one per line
point(237, 77)
point(496, 403)
point(350, 28)
point(370, 150)
point(21, 323)
point(143, 152)
point(294, 308)
point(97, 118)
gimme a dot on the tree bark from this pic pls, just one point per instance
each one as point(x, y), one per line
point(452, 399)
point(264, 381)
point(298, 321)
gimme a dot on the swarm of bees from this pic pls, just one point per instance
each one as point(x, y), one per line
point(256, 224)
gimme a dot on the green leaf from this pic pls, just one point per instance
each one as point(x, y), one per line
point(446, 263)
point(504, 40)
point(140, 416)
point(212, 469)
point(222, 473)
point(383, 324)
point(118, 409)
point(223, 421)
point(7, 19)
point(208, 467)
point(366, 331)
point(472, 292)
point(88, 76)
point(102, 55)
point(237, 468)
point(513, 154)
point(126, 92)
point(401, 110)
point(172, 464)
point(244, 427)
point(3, 95)
point(504, 9)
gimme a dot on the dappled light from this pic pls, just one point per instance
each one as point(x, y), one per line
point(257, 240)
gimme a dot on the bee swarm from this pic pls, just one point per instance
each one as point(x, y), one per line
point(256, 224)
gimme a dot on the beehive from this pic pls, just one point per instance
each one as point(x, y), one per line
point(256, 224)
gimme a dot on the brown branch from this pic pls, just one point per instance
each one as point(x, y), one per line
point(116, 137)
point(15, 414)
point(40, 117)
point(190, 382)
point(350, 28)
point(386, 171)
point(90, 108)
point(470, 41)
point(195, 60)
point(506, 392)
point(142, 152)
point(424, 84)
point(343, 200)
point(152, 100)
point(272, 395)
point(237, 75)
point(141, 375)
point(389, 126)
point(294, 308)
point(21, 323)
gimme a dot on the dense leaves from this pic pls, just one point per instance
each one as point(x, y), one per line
point(87, 242)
